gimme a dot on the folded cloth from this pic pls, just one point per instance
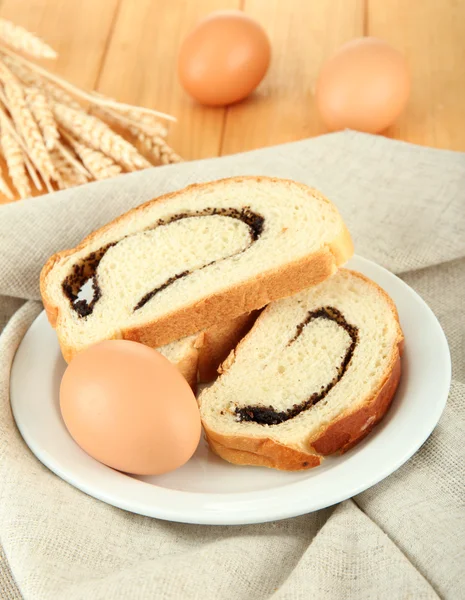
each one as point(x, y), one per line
point(403, 538)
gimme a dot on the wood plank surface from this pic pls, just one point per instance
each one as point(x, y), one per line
point(302, 35)
point(141, 68)
point(78, 31)
point(128, 49)
point(431, 34)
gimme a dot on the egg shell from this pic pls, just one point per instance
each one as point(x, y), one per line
point(128, 407)
point(364, 86)
point(224, 58)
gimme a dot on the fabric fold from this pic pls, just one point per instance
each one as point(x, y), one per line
point(351, 557)
point(403, 538)
point(398, 200)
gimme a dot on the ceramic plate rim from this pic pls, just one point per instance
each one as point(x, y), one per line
point(259, 506)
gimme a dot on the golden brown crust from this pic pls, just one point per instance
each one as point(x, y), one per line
point(218, 341)
point(235, 301)
point(188, 365)
point(50, 309)
point(223, 306)
point(351, 428)
point(263, 452)
point(339, 436)
point(203, 357)
point(208, 350)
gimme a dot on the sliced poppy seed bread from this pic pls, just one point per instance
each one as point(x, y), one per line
point(198, 356)
point(191, 259)
point(317, 371)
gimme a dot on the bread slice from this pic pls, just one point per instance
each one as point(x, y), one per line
point(204, 255)
point(218, 341)
point(198, 356)
point(184, 354)
point(314, 375)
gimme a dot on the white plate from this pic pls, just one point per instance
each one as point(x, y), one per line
point(211, 491)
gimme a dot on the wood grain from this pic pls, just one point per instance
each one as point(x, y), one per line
point(78, 31)
point(302, 35)
point(431, 34)
point(141, 64)
point(128, 49)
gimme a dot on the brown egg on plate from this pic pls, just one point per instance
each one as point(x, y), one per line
point(128, 407)
point(224, 58)
point(364, 86)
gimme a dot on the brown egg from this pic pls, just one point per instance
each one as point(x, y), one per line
point(128, 407)
point(224, 58)
point(364, 86)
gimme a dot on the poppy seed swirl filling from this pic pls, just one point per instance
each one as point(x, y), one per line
point(86, 269)
point(267, 415)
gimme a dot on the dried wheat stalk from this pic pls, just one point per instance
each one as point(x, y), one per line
point(20, 39)
point(92, 97)
point(148, 133)
point(26, 124)
point(99, 136)
point(149, 123)
point(7, 124)
point(42, 113)
point(31, 166)
point(30, 78)
point(151, 128)
point(15, 162)
point(71, 157)
point(48, 134)
point(157, 147)
point(5, 188)
point(68, 176)
point(99, 165)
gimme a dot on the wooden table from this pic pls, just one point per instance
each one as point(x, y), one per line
point(128, 50)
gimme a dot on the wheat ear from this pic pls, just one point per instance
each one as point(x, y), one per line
point(26, 124)
point(151, 124)
point(20, 39)
point(157, 147)
point(148, 132)
point(15, 162)
point(99, 136)
point(5, 188)
point(99, 165)
point(146, 122)
point(97, 99)
point(30, 78)
point(150, 127)
point(68, 176)
point(42, 113)
point(6, 123)
point(69, 155)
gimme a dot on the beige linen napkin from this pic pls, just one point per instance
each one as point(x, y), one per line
point(403, 538)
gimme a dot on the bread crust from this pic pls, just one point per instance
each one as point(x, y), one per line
point(218, 341)
point(188, 365)
point(211, 347)
point(203, 357)
point(261, 452)
point(338, 436)
point(344, 433)
point(232, 303)
point(220, 307)
point(206, 352)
